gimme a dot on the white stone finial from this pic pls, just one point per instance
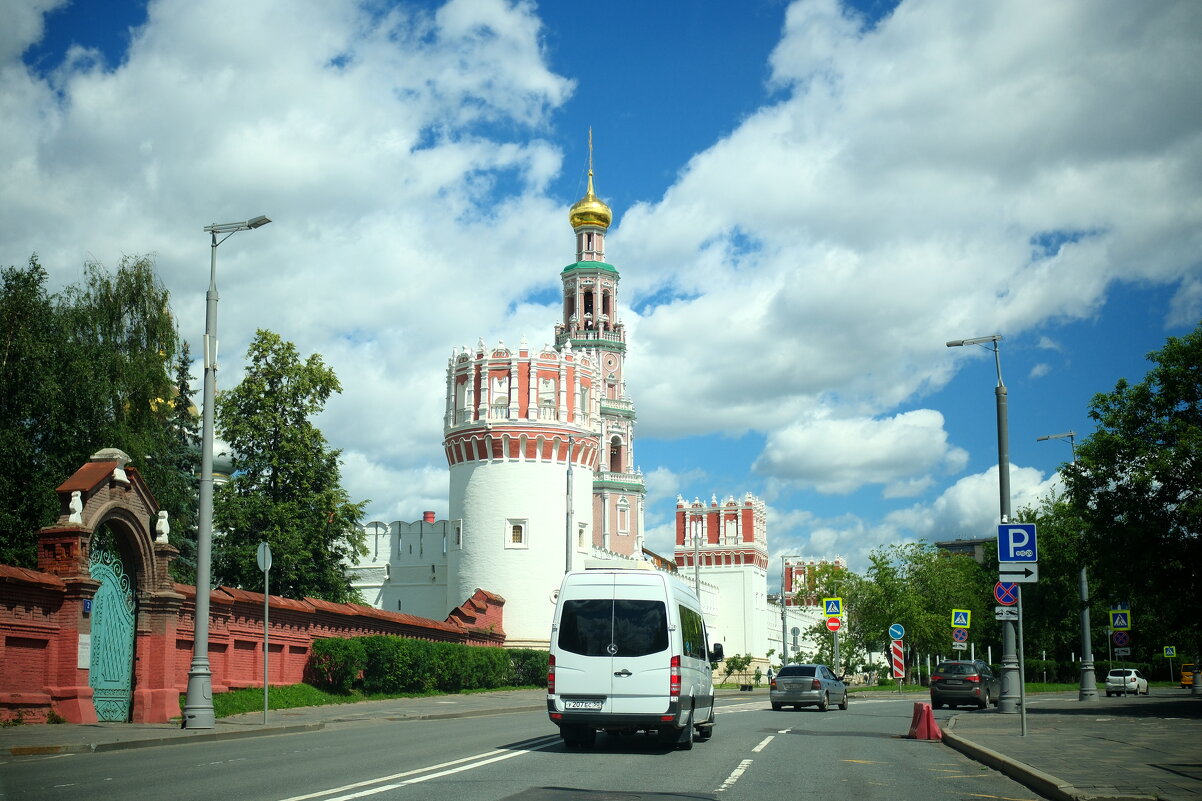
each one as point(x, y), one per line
point(76, 507)
point(162, 526)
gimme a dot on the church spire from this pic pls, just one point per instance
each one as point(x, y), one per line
point(590, 211)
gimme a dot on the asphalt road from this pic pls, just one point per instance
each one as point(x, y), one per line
point(755, 754)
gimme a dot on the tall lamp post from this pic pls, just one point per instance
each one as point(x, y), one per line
point(198, 705)
point(1010, 701)
point(1089, 688)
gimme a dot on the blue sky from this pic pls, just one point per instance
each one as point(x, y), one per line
point(810, 199)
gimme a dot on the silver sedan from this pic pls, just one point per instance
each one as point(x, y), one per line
point(807, 685)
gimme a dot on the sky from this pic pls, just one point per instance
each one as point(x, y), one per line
point(810, 199)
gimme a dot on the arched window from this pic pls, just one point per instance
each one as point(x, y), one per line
point(615, 455)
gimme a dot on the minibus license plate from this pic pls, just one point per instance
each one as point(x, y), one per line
point(594, 704)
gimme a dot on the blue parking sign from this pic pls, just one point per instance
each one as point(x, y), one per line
point(1016, 543)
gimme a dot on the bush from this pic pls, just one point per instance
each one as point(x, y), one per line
point(336, 663)
point(392, 665)
point(527, 666)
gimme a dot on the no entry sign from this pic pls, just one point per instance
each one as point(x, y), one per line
point(833, 623)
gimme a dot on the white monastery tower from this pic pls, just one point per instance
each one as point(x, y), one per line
point(540, 447)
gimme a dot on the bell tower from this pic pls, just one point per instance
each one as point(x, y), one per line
point(592, 326)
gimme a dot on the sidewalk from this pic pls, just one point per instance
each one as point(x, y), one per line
point(1146, 747)
point(1117, 749)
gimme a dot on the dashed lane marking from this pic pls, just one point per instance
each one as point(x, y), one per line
point(734, 776)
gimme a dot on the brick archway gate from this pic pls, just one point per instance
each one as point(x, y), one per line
point(103, 547)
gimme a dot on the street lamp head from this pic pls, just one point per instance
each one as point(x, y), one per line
point(956, 343)
point(229, 228)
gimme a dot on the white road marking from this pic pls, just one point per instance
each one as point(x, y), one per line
point(734, 775)
point(763, 743)
point(454, 766)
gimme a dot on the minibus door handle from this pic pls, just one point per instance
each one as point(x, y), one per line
point(623, 673)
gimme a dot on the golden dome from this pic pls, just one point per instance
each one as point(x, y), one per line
point(590, 209)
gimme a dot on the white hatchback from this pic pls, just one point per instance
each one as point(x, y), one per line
point(1125, 681)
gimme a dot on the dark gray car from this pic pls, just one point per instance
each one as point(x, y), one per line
point(807, 685)
point(963, 683)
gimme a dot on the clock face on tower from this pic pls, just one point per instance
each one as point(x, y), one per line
point(611, 362)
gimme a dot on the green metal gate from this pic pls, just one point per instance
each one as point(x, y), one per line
point(110, 672)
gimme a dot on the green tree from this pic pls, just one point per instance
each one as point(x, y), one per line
point(1052, 606)
point(37, 430)
point(179, 461)
point(1137, 487)
point(918, 585)
point(286, 489)
point(79, 371)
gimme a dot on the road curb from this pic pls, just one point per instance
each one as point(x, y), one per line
point(154, 742)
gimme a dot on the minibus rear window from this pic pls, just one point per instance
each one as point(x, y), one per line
point(634, 628)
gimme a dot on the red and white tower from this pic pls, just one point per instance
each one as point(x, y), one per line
point(540, 447)
point(592, 327)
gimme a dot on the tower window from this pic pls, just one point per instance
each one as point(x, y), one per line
point(516, 533)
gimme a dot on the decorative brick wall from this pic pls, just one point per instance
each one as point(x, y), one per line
point(39, 635)
point(46, 629)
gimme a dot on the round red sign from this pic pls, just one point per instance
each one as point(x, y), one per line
point(834, 623)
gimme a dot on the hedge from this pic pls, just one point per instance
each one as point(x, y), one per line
point(387, 664)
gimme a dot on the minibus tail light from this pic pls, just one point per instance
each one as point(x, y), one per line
point(674, 680)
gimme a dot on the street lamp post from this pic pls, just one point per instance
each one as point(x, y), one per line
point(567, 566)
point(198, 705)
point(1010, 702)
point(1088, 690)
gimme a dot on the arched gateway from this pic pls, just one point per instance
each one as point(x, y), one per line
point(103, 547)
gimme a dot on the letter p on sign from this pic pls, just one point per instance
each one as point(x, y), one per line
point(1016, 543)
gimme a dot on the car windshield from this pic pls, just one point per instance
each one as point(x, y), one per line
point(953, 669)
point(1122, 674)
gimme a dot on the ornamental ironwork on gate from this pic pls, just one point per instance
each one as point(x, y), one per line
point(110, 670)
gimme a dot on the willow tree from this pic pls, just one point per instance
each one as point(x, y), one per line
point(286, 488)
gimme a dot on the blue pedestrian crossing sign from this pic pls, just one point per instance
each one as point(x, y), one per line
point(1120, 619)
point(832, 607)
point(1170, 651)
point(961, 618)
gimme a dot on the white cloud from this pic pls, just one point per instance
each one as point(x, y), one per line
point(951, 171)
point(971, 507)
point(955, 170)
point(841, 455)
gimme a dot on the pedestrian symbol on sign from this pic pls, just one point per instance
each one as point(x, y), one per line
point(833, 606)
point(1120, 619)
point(960, 618)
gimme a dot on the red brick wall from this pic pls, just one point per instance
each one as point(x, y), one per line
point(41, 619)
